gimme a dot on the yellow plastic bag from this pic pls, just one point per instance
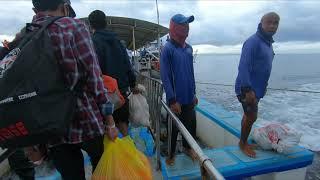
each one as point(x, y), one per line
point(121, 161)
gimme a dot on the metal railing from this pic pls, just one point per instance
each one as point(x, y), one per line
point(154, 93)
point(154, 97)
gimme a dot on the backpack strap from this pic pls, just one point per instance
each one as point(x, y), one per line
point(81, 84)
point(27, 35)
point(45, 25)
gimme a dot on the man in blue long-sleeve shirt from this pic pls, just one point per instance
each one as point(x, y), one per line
point(254, 72)
point(177, 75)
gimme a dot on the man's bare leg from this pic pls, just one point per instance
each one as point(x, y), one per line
point(246, 125)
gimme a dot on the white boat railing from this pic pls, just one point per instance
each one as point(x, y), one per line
point(154, 97)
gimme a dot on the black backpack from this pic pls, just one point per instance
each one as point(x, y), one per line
point(36, 106)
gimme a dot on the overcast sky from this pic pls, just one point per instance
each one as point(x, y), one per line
point(218, 26)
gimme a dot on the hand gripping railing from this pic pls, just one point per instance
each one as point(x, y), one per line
point(154, 98)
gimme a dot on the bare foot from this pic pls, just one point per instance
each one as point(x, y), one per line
point(170, 161)
point(191, 153)
point(247, 149)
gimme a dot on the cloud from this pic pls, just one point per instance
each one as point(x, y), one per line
point(212, 49)
point(293, 47)
point(14, 15)
point(231, 22)
point(297, 47)
point(219, 23)
point(6, 37)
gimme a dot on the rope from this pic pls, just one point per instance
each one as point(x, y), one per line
point(274, 89)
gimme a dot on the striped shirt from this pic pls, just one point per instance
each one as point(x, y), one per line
point(76, 56)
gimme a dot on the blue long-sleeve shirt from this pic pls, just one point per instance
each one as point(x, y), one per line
point(255, 64)
point(177, 73)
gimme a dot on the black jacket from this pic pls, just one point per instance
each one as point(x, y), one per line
point(113, 59)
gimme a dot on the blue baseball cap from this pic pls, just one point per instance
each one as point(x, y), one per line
point(181, 19)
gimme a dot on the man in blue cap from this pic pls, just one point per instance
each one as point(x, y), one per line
point(177, 75)
point(254, 72)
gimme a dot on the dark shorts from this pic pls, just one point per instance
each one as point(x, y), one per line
point(248, 108)
point(122, 114)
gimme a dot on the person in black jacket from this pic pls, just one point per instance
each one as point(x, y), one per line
point(114, 62)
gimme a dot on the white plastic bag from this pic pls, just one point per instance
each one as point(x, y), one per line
point(139, 110)
point(276, 136)
point(141, 89)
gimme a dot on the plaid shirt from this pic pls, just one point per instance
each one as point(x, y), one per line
point(76, 55)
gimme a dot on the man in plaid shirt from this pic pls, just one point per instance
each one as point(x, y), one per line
point(76, 55)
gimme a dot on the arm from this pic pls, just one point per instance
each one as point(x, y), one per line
point(193, 78)
point(245, 68)
point(132, 77)
point(166, 75)
point(130, 71)
point(195, 99)
point(246, 64)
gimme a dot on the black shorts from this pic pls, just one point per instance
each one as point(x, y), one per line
point(122, 114)
point(248, 108)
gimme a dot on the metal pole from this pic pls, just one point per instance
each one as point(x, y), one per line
point(134, 39)
point(169, 134)
point(159, 107)
point(158, 133)
point(152, 104)
point(158, 18)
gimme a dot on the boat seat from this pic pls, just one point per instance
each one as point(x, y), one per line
point(230, 121)
point(230, 161)
point(233, 164)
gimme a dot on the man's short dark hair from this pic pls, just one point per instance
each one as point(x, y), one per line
point(97, 19)
point(46, 5)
